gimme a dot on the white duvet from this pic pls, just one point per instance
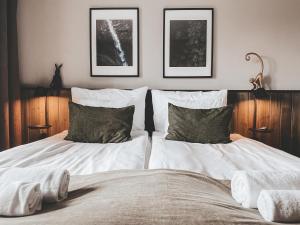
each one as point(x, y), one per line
point(78, 158)
point(219, 161)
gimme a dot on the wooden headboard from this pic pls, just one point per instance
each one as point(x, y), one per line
point(280, 113)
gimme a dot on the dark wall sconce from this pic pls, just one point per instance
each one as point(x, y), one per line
point(258, 92)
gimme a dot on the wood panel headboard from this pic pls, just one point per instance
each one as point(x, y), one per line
point(280, 113)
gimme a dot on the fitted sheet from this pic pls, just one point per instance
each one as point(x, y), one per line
point(219, 161)
point(79, 158)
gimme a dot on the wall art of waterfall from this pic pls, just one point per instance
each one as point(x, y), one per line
point(114, 42)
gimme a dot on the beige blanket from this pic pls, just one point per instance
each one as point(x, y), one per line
point(150, 197)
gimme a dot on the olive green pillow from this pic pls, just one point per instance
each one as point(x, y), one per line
point(99, 124)
point(199, 125)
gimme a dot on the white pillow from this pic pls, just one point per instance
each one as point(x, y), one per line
point(193, 100)
point(114, 98)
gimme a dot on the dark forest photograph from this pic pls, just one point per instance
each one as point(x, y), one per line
point(188, 43)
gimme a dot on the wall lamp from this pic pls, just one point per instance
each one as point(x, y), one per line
point(258, 92)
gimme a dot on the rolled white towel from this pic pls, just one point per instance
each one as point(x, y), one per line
point(54, 182)
point(279, 205)
point(20, 199)
point(246, 185)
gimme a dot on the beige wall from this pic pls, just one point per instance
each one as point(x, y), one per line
point(58, 31)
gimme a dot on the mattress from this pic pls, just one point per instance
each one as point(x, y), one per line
point(79, 158)
point(219, 161)
point(161, 197)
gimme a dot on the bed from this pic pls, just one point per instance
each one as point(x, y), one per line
point(176, 183)
point(82, 157)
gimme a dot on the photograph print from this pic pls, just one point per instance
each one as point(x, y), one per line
point(188, 36)
point(114, 42)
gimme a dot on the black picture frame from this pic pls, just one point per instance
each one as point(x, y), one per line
point(212, 42)
point(137, 74)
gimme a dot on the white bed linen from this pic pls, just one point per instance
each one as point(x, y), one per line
point(78, 158)
point(219, 161)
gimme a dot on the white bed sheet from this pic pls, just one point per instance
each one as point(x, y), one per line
point(79, 158)
point(219, 161)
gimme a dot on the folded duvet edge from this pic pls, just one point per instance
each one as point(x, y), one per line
point(279, 205)
point(20, 199)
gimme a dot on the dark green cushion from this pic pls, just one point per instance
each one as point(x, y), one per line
point(199, 125)
point(99, 124)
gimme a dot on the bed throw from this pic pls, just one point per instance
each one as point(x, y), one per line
point(20, 199)
point(247, 185)
point(53, 182)
point(279, 205)
point(148, 197)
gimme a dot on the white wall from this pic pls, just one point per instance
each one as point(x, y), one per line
point(53, 31)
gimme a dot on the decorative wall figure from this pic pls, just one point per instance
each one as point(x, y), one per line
point(258, 92)
point(56, 83)
point(257, 82)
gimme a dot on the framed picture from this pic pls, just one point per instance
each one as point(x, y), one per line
point(188, 43)
point(114, 42)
